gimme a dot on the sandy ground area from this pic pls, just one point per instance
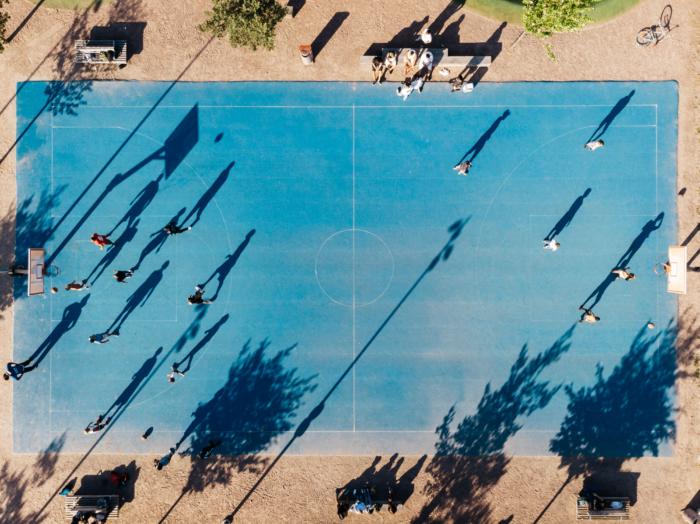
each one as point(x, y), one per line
point(301, 489)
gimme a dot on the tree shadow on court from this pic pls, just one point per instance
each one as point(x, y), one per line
point(208, 335)
point(566, 219)
point(595, 297)
point(470, 458)
point(139, 297)
point(207, 197)
point(474, 151)
point(176, 147)
point(225, 268)
point(630, 412)
point(18, 484)
point(113, 252)
point(443, 255)
point(255, 406)
point(387, 478)
point(157, 241)
point(611, 116)
point(69, 319)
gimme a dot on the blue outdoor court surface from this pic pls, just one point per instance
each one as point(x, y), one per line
point(330, 228)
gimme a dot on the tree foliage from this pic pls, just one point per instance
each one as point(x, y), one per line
point(544, 17)
point(4, 18)
point(248, 23)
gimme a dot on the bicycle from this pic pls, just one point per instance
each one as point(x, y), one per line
point(656, 33)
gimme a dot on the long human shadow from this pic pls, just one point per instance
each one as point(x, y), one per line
point(139, 297)
point(492, 47)
point(455, 230)
point(69, 319)
point(328, 31)
point(225, 268)
point(627, 414)
point(157, 241)
point(383, 480)
point(27, 226)
point(139, 203)
point(113, 252)
point(624, 261)
point(208, 335)
point(472, 153)
point(470, 459)
point(176, 147)
point(566, 219)
point(610, 117)
point(188, 334)
point(17, 485)
point(441, 19)
point(256, 405)
point(207, 197)
point(125, 396)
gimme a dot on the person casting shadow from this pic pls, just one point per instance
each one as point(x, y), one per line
point(208, 335)
point(68, 321)
point(225, 268)
point(111, 255)
point(208, 195)
point(139, 203)
point(157, 240)
point(624, 261)
point(139, 297)
point(568, 216)
point(136, 379)
point(470, 155)
point(616, 110)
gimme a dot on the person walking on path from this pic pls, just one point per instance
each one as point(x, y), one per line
point(98, 425)
point(174, 372)
point(463, 168)
point(198, 297)
point(17, 370)
point(101, 240)
point(102, 338)
point(551, 244)
point(588, 316)
point(171, 228)
point(594, 144)
point(122, 275)
point(164, 460)
point(77, 286)
point(623, 273)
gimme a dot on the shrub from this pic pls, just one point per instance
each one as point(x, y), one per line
point(248, 23)
point(545, 17)
point(4, 18)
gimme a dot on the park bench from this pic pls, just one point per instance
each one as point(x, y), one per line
point(92, 503)
point(596, 507)
point(441, 58)
point(100, 52)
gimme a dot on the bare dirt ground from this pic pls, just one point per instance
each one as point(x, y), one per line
point(301, 489)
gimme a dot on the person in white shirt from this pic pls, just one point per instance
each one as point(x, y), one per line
point(623, 273)
point(593, 145)
point(390, 62)
point(426, 36)
point(426, 64)
point(551, 244)
point(588, 316)
point(405, 89)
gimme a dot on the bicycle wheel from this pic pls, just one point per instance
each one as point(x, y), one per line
point(665, 17)
point(646, 36)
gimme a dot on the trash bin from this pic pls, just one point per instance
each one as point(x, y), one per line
point(307, 54)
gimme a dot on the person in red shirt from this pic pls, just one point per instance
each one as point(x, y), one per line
point(101, 240)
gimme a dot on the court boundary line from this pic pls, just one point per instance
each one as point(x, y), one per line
point(354, 305)
point(358, 106)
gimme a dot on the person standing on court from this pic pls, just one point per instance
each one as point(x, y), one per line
point(17, 370)
point(77, 286)
point(588, 316)
point(463, 167)
point(623, 273)
point(101, 240)
point(171, 228)
point(551, 244)
point(594, 144)
point(98, 425)
point(198, 297)
point(102, 338)
point(122, 275)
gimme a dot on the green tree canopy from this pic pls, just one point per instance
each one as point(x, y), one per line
point(248, 23)
point(4, 18)
point(544, 17)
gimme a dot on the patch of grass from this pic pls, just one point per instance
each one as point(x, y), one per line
point(70, 4)
point(511, 10)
